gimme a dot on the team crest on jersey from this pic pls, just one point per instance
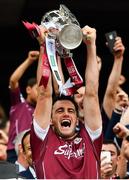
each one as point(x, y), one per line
point(77, 140)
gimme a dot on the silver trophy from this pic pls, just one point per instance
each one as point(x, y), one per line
point(64, 28)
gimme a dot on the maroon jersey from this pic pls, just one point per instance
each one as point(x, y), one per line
point(56, 158)
point(20, 116)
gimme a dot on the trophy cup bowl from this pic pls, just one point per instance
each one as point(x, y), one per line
point(70, 36)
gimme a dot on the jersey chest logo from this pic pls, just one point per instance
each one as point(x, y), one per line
point(69, 150)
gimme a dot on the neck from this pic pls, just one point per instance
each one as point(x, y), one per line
point(65, 137)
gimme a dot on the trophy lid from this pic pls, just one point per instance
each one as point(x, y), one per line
point(58, 18)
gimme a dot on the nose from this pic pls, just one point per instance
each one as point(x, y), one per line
point(66, 113)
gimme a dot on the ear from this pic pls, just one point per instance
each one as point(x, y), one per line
point(51, 123)
point(28, 89)
point(20, 148)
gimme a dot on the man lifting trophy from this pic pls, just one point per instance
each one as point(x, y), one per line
point(64, 34)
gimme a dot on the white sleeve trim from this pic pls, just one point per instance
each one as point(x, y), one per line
point(94, 134)
point(41, 133)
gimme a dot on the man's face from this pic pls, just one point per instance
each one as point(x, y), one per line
point(32, 94)
point(122, 98)
point(114, 156)
point(125, 147)
point(27, 151)
point(64, 118)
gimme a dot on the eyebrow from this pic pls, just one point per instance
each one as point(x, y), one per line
point(61, 108)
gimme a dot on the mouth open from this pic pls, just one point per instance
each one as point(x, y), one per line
point(66, 123)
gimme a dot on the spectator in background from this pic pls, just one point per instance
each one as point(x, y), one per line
point(109, 168)
point(21, 159)
point(122, 132)
point(120, 103)
point(123, 165)
point(114, 78)
point(21, 109)
point(113, 85)
point(29, 172)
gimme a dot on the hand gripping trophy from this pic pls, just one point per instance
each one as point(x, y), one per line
point(64, 34)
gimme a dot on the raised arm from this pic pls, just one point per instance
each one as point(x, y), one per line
point(18, 73)
point(42, 113)
point(111, 90)
point(92, 115)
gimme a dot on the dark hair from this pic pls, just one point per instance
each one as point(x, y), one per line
point(110, 141)
point(3, 123)
point(24, 136)
point(31, 82)
point(63, 97)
